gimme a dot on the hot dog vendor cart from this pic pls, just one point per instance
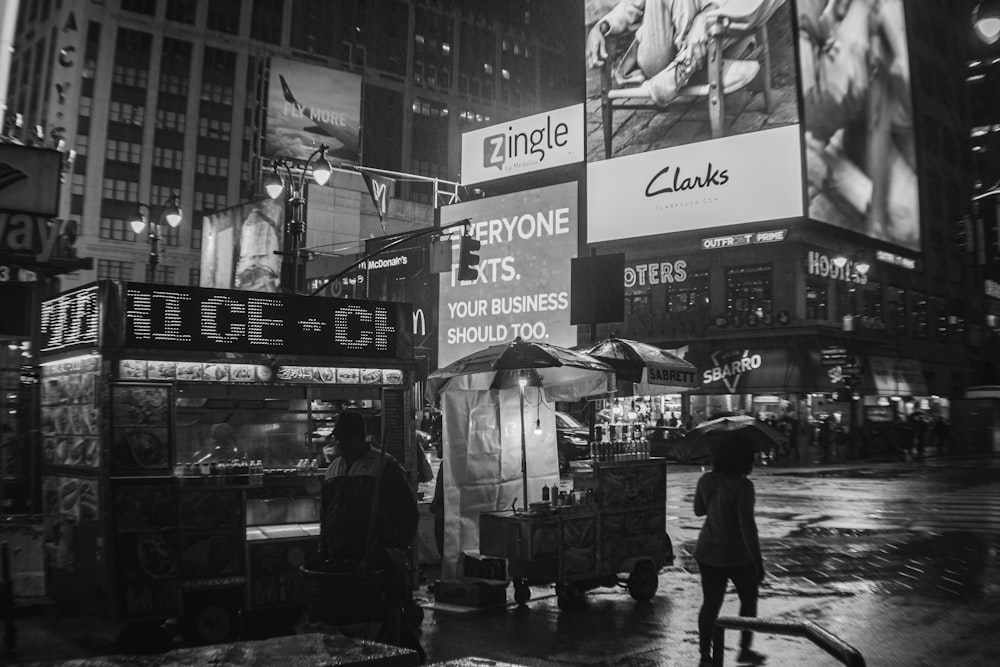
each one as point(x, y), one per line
point(182, 442)
point(608, 530)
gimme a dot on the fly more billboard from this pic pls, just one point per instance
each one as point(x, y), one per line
point(528, 239)
point(683, 161)
point(309, 105)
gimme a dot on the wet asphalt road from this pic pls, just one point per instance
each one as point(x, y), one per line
point(900, 560)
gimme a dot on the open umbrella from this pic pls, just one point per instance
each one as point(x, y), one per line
point(737, 431)
point(652, 371)
point(561, 373)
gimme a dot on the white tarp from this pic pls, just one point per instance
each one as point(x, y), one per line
point(482, 460)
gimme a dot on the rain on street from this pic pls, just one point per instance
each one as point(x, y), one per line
point(900, 560)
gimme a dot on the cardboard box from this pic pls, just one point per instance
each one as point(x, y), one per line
point(473, 564)
point(471, 592)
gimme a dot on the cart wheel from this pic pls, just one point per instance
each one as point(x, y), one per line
point(568, 596)
point(643, 582)
point(521, 591)
point(208, 621)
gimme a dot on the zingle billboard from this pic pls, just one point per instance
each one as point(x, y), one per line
point(675, 159)
point(309, 105)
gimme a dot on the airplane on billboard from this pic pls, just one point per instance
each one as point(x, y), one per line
point(344, 135)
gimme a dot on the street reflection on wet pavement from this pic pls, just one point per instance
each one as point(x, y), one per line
point(900, 560)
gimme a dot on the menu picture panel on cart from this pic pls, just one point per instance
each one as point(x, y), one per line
point(147, 546)
point(140, 442)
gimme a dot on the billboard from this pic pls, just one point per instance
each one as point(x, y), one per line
point(648, 66)
point(238, 247)
point(666, 152)
point(858, 118)
point(309, 105)
point(523, 289)
point(533, 143)
point(708, 184)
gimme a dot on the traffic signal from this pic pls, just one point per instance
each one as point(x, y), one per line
point(468, 260)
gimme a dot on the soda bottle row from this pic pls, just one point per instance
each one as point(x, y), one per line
point(620, 450)
point(617, 431)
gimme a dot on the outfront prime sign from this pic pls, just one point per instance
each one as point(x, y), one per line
point(523, 289)
point(695, 186)
point(533, 143)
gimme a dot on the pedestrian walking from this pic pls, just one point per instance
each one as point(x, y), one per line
point(728, 547)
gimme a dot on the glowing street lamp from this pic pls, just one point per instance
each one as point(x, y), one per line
point(169, 212)
point(275, 185)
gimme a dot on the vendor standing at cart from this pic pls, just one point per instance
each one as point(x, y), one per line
point(349, 531)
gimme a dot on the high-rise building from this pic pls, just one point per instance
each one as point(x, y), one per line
point(153, 98)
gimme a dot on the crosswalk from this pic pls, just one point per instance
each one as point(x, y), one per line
point(974, 509)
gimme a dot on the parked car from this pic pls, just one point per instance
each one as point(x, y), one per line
point(663, 443)
point(573, 440)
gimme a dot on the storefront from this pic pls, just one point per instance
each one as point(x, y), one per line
point(182, 442)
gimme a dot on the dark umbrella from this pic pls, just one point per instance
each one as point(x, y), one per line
point(737, 431)
point(651, 370)
point(562, 374)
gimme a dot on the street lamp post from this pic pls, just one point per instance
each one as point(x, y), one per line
point(859, 270)
point(296, 225)
point(170, 212)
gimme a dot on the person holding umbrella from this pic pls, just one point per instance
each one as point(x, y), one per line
point(728, 547)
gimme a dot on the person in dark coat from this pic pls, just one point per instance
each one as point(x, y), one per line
point(350, 536)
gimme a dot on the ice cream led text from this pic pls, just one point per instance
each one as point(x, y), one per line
point(177, 317)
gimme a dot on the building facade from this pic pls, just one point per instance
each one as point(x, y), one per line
point(156, 97)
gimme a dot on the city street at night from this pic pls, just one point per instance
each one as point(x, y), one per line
point(899, 560)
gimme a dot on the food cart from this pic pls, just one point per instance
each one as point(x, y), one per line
point(608, 530)
point(182, 442)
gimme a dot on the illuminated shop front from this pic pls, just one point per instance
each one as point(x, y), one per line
point(183, 431)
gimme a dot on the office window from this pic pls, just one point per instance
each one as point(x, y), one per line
point(872, 306)
point(112, 269)
point(119, 190)
point(147, 7)
point(122, 151)
point(168, 158)
point(131, 76)
point(211, 165)
point(181, 11)
point(172, 121)
point(939, 313)
point(162, 275)
point(128, 114)
point(638, 301)
point(817, 299)
point(212, 128)
point(224, 16)
point(194, 277)
point(114, 229)
point(689, 294)
point(920, 314)
point(896, 310)
point(748, 295)
point(265, 20)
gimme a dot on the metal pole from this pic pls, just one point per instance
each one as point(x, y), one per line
point(154, 251)
point(524, 452)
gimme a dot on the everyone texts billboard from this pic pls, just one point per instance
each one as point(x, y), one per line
point(528, 239)
point(309, 105)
